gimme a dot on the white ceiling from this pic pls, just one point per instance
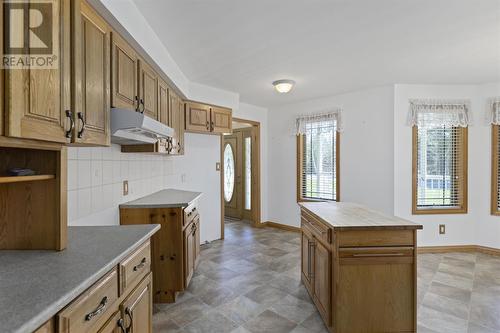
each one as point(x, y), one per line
point(328, 47)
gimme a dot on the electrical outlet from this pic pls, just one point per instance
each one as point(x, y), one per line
point(442, 229)
point(125, 187)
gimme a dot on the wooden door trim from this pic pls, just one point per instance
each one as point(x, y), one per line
point(256, 193)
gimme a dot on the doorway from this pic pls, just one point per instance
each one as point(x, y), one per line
point(240, 171)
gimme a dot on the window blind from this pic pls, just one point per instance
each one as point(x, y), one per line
point(440, 167)
point(319, 160)
point(497, 165)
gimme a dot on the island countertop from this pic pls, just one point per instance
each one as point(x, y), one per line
point(36, 285)
point(168, 198)
point(351, 216)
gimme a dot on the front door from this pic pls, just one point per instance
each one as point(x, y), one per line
point(232, 175)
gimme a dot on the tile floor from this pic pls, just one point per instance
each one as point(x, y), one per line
point(250, 282)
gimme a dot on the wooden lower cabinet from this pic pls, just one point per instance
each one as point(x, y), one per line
point(360, 281)
point(137, 309)
point(104, 309)
point(175, 247)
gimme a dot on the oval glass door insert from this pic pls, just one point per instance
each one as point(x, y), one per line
point(228, 173)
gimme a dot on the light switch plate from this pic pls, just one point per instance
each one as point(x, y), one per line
point(125, 187)
point(217, 166)
point(442, 229)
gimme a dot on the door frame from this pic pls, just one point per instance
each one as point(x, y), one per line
point(256, 173)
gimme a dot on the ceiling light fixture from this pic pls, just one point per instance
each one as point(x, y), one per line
point(283, 86)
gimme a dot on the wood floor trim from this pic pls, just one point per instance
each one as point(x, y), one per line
point(279, 226)
point(459, 248)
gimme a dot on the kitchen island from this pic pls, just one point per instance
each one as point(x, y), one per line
point(359, 267)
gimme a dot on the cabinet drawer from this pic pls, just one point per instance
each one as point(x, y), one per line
point(190, 212)
point(317, 228)
point(135, 267)
point(91, 309)
point(376, 255)
point(362, 238)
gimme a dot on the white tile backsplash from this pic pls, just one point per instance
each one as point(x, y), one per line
point(96, 175)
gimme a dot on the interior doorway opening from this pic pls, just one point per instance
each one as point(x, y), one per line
point(240, 157)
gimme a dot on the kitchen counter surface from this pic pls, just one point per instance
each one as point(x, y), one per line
point(168, 198)
point(345, 215)
point(36, 285)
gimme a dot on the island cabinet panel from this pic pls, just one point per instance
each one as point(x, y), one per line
point(359, 268)
point(36, 99)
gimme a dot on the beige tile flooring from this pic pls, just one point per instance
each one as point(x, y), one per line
point(250, 282)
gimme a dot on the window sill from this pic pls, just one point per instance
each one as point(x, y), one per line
point(439, 211)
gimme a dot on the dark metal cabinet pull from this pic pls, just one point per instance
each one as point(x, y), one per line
point(129, 314)
point(208, 125)
point(136, 101)
point(141, 265)
point(69, 115)
point(141, 102)
point(121, 325)
point(212, 126)
point(97, 311)
point(80, 132)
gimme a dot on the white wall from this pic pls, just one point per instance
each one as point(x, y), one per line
point(476, 227)
point(255, 113)
point(95, 177)
point(366, 143)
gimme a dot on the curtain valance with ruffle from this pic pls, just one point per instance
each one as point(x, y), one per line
point(432, 113)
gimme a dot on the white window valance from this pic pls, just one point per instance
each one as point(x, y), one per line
point(494, 110)
point(335, 116)
point(432, 113)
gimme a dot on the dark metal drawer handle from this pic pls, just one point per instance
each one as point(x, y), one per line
point(129, 314)
point(99, 309)
point(141, 265)
point(368, 255)
point(121, 325)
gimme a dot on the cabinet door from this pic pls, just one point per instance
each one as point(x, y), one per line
point(137, 309)
point(163, 103)
point(221, 120)
point(196, 242)
point(92, 78)
point(148, 90)
point(124, 63)
point(323, 281)
point(177, 122)
point(36, 100)
point(197, 117)
point(307, 261)
point(189, 253)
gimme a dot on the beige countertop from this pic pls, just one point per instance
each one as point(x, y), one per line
point(345, 215)
point(167, 198)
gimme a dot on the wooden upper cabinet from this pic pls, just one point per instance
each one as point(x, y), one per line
point(124, 62)
point(202, 118)
point(148, 90)
point(221, 120)
point(197, 117)
point(163, 102)
point(92, 78)
point(176, 112)
point(36, 100)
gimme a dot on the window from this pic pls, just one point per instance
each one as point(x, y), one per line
point(495, 167)
point(439, 162)
point(317, 159)
point(248, 173)
point(229, 173)
point(495, 156)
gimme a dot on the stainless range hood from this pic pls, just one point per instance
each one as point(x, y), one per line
point(133, 128)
